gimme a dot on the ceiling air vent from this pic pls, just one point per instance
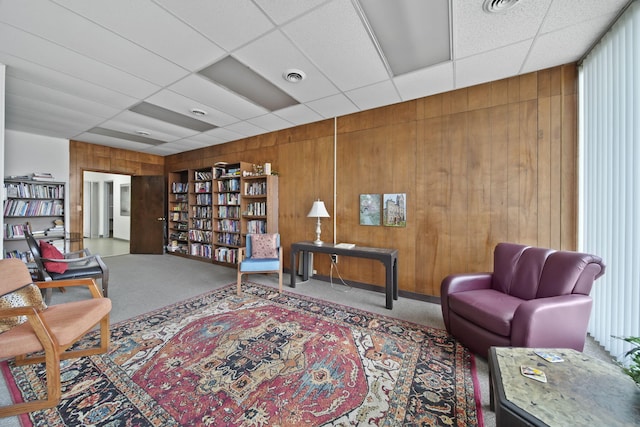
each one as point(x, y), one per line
point(497, 6)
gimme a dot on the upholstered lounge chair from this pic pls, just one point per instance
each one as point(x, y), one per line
point(262, 254)
point(31, 332)
point(535, 297)
point(54, 266)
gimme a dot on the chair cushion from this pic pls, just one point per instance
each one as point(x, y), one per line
point(264, 246)
point(250, 265)
point(25, 296)
point(67, 322)
point(487, 308)
point(49, 251)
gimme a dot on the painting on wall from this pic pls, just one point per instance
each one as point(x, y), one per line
point(125, 200)
point(395, 210)
point(369, 209)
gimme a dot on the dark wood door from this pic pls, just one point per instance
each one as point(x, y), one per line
point(147, 215)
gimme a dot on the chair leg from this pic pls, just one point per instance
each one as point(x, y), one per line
point(239, 290)
point(52, 364)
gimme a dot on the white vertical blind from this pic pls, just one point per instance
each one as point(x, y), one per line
point(610, 178)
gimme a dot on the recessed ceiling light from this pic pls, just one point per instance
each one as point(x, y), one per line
point(143, 132)
point(198, 112)
point(497, 6)
point(294, 76)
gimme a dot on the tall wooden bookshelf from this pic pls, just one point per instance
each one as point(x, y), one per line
point(178, 221)
point(226, 211)
point(259, 203)
point(200, 204)
point(211, 210)
point(39, 204)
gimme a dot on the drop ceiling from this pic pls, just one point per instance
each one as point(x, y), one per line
point(130, 73)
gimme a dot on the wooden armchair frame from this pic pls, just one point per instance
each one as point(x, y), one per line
point(54, 336)
point(80, 264)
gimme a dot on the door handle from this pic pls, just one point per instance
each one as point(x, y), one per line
point(161, 219)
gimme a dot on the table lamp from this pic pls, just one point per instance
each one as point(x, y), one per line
point(318, 210)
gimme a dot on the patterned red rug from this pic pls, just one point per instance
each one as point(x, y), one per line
point(262, 359)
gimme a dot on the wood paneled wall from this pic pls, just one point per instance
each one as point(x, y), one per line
point(490, 163)
point(98, 158)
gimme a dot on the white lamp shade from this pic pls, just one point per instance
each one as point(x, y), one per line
point(318, 210)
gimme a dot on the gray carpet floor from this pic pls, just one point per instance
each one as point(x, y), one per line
point(141, 283)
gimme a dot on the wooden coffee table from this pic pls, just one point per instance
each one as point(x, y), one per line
point(581, 391)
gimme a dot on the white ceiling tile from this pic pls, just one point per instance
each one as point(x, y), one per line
point(334, 38)
point(270, 122)
point(375, 95)
point(183, 105)
point(333, 106)
point(37, 110)
point(85, 38)
point(64, 83)
point(223, 134)
point(110, 141)
point(565, 13)
point(245, 129)
point(40, 51)
point(494, 65)
point(56, 98)
point(152, 27)
point(282, 11)
point(271, 55)
point(205, 139)
point(229, 24)
point(475, 30)
point(131, 122)
point(299, 114)
point(208, 93)
point(429, 81)
point(566, 45)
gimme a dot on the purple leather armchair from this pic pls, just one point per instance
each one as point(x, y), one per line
point(535, 297)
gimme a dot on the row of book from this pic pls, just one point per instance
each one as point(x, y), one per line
point(34, 191)
point(258, 188)
point(228, 199)
point(226, 255)
point(230, 225)
point(233, 239)
point(257, 209)
point(202, 187)
point(203, 199)
point(179, 216)
point(201, 223)
point(201, 211)
point(200, 236)
point(256, 226)
point(201, 250)
point(179, 236)
point(228, 185)
point(202, 175)
point(229, 212)
point(179, 187)
point(17, 207)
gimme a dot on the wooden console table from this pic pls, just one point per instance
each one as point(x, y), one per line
point(581, 391)
point(388, 257)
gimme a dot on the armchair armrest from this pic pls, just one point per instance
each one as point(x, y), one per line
point(241, 254)
point(559, 321)
point(77, 254)
point(465, 282)
point(72, 261)
point(27, 310)
point(454, 283)
point(88, 282)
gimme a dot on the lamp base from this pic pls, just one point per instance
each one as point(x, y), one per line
point(318, 242)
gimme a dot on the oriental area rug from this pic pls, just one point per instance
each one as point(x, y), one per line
point(262, 359)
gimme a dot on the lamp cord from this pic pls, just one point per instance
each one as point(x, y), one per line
point(335, 265)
